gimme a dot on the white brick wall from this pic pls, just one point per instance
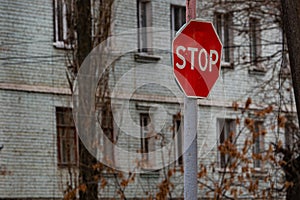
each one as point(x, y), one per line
point(26, 45)
point(28, 133)
point(28, 162)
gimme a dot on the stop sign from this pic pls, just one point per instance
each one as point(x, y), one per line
point(196, 57)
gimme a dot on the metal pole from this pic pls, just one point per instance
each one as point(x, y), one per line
point(190, 130)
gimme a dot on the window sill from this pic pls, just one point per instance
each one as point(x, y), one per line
point(225, 170)
point(146, 58)
point(227, 65)
point(66, 166)
point(257, 70)
point(109, 174)
point(62, 45)
point(150, 173)
point(259, 172)
point(255, 172)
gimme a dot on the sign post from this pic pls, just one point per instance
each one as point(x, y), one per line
point(196, 65)
point(190, 130)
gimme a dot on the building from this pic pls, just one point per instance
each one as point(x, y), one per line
point(40, 156)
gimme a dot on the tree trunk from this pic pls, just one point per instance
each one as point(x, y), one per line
point(291, 26)
point(86, 160)
point(293, 193)
point(83, 29)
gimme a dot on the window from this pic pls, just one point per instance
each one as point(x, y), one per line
point(178, 140)
point(144, 123)
point(258, 143)
point(177, 18)
point(67, 143)
point(254, 37)
point(226, 130)
point(290, 132)
point(110, 133)
point(223, 24)
point(144, 20)
point(63, 31)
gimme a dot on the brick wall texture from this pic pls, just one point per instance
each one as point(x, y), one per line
point(33, 83)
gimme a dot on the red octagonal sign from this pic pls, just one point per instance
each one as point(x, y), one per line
point(197, 52)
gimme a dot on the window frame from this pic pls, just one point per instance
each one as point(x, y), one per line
point(144, 129)
point(178, 139)
point(62, 125)
point(144, 36)
point(223, 159)
point(61, 26)
point(258, 143)
point(182, 20)
point(223, 21)
point(291, 131)
point(255, 49)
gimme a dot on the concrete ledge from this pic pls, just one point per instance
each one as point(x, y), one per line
point(34, 88)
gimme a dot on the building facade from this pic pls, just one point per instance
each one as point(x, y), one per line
point(40, 155)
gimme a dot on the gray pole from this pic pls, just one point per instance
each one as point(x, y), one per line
point(190, 130)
